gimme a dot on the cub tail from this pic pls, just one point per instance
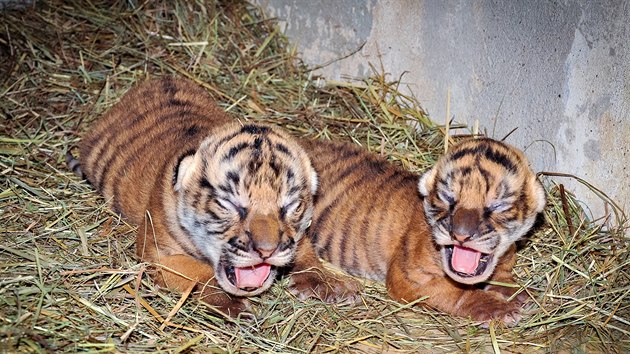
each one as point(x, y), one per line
point(74, 165)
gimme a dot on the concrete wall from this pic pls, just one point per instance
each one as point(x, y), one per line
point(559, 71)
point(10, 4)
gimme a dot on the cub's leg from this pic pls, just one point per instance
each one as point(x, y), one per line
point(407, 282)
point(503, 273)
point(309, 278)
point(179, 271)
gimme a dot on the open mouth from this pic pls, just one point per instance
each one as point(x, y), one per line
point(248, 278)
point(466, 262)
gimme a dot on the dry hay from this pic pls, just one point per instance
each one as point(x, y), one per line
point(69, 280)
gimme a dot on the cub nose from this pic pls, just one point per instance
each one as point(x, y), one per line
point(265, 234)
point(465, 224)
point(265, 251)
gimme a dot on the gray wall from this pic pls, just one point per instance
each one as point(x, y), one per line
point(559, 71)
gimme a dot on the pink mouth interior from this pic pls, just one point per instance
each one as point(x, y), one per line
point(252, 277)
point(465, 260)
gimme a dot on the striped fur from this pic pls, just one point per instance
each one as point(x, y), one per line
point(382, 222)
point(213, 199)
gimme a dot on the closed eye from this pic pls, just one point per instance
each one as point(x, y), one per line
point(499, 206)
point(290, 208)
point(446, 197)
point(229, 205)
point(225, 204)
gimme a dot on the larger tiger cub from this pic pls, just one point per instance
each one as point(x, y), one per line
point(441, 241)
point(217, 204)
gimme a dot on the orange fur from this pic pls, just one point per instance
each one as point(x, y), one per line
point(372, 220)
point(215, 201)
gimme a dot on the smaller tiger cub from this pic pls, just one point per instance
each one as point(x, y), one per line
point(438, 235)
point(220, 206)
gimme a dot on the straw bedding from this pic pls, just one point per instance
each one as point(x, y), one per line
point(69, 280)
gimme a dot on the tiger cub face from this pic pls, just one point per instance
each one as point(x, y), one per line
point(245, 197)
point(479, 199)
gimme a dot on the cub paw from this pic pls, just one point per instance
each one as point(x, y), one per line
point(507, 293)
point(314, 283)
point(230, 306)
point(490, 306)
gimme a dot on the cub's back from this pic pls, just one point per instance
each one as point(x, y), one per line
point(136, 143)
point(364, 208)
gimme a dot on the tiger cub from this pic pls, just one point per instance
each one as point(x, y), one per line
point(457, 232)
point(216, 203)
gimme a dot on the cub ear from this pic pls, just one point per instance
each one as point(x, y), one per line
point(539, 194)
point(184, 171)
point(314, 181)
point(426, 181)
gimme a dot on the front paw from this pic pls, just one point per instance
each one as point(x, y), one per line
point(487, 306)
point(325, 286)
point(228, 305)
point(508, 292)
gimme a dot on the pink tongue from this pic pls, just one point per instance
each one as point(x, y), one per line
point(465, 260)
point(252, 277)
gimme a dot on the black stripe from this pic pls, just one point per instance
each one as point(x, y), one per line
point(212, 214)
point(286, 245)
point(130, 124)
point(467, 151)
point(227, 188)
point(224, 140)
point(234, 151)
point(389, 192)
point(294, 189)
point(510, 218)
point(522, 200)
point(192, 130)
point(486, 212)
point(254, 166)
point(196, 199)
point(239, 244)
point(314, 239)
point(168, 87)
point(132, 159)
point(233, 177)
point(390, 182)
point(254, 129)
point(282, 148)
point(177, 103)
point(501, 159)
point(487, 177)
point(258, 142)
point(205, 184)
point(404, 245)
point(301, 210)
point(335, 157)
point(290, 175)
point(370, 165)
point(487, 152)
point(242, 212)
point(101, 174)
point(188, 249)
point(274, 166)
point(328, 209)
point(179, 161)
